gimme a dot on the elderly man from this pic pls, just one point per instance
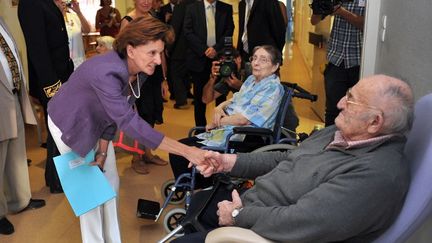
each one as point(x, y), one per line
point(345, 183)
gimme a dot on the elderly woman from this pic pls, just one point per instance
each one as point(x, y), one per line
point(104, 44)
point(85, 112)
point(255, 104)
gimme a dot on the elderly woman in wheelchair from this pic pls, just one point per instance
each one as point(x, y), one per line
point(255, 104)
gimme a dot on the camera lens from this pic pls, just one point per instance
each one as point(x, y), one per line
point(225, 70)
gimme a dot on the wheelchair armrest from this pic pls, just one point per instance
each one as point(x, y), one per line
point(195, 130)
point(213, 148)
point(256, 131)
point(234, 234)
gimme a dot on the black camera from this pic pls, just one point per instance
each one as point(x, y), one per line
point(325, 7)
point(227, 64)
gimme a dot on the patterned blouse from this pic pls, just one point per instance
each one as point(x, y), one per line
point(256, 101)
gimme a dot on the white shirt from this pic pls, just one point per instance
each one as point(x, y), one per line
point(212, 30)
point(76, 45)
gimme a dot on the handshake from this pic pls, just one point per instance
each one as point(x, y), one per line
point(211, 162)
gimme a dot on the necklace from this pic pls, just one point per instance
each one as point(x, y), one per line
point(138, 84)
point(68, 21)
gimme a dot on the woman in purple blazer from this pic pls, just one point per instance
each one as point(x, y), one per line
point(86, 111)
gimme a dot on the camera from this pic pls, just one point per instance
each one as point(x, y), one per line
point(325, 7)
point(227, 64)
point(68, 3)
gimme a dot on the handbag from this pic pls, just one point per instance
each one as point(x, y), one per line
point(124, 143)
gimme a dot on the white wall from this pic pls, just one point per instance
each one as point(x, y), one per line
point(406, 51)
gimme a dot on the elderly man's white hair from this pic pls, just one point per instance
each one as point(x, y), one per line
point(395, 98)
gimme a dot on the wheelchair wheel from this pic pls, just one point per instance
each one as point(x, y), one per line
point(173, 219)
point(178, 196)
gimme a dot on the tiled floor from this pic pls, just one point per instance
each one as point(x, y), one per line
point(56, 222)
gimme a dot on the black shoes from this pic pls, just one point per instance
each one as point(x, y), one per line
point(190, 95)
point(180, 106)
point(56, 189)
point(34, 204)
point(6, 227)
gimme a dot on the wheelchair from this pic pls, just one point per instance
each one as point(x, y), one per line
point(192, 219)
point(181, 190)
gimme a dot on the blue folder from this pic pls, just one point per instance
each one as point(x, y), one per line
point(84, 185)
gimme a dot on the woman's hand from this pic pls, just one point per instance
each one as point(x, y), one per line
point(100, 160)
point(75, 6)
point(219, 113)
point(210, 127)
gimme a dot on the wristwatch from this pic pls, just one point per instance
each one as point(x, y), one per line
point(235, 213)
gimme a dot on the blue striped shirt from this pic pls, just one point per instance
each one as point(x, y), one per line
point(257, 102)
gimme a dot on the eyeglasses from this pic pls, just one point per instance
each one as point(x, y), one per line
point(259, 59)
point(349, 100)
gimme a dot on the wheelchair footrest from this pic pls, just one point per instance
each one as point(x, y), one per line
point(147, 209)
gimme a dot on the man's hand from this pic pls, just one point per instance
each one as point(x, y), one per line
point(215, 68)
point(337, 9)
point(210, 53)
point(204, 164)
point(234, 82)
point(225, 209)
point(168, 17)
point(217, 163)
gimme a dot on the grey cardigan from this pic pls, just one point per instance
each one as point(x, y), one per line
point(316, 195)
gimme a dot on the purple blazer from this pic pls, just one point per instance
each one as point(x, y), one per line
point(93, 100)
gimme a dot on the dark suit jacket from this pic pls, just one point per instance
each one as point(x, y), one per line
point(266, 25)
point(195, 31)
point(164, 10)
point(177, 51)
point(47, 47)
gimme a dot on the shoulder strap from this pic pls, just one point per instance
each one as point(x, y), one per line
point(128, 18)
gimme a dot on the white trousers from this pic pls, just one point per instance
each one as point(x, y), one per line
point(100, 225)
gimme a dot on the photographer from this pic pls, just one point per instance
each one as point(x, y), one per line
point(343, 49)
point(232, 78)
